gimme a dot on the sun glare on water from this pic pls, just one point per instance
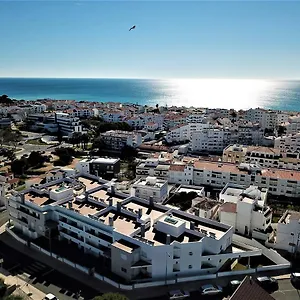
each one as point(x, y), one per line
point(221, 93)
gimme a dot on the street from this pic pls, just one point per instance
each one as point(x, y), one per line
point(41, 276)
point(286, 291)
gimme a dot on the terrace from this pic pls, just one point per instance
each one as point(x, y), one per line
point(38, 199)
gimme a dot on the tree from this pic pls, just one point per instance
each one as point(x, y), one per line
point(128, 153)
point(35, 159)
point(65, 156)
point(111, 296)
point(19, 166)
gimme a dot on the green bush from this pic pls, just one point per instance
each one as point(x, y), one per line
point(111, 296)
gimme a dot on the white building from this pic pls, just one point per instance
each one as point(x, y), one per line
point(150, 187)
point(67, 124)
point(210, 140)
point(287, 236)
point(293, 125)
point(117, 139)
point(264, 156)
point(205, 207)
point(247, 217)
point(288, 143)
point(139, 238)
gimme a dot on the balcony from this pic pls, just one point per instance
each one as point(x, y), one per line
point(70, 227)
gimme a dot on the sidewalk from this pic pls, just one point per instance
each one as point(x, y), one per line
point(31, 292)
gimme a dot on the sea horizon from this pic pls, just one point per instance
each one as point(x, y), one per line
point(278, 94)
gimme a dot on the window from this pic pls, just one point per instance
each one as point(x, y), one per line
point(124, 270)
point(190, 253)
point(190, 266)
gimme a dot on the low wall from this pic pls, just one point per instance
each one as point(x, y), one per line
point(284, 265)
point(15, 236)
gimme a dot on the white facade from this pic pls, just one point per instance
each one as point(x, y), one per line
point(287, 235)
point(117, 139)
point(288, 143)
point(247, 217)
point(142, 238)
point(210, 140)
point(150, 187)
point(68, 125)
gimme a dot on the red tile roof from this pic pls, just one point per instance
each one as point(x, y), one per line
point(250, 290)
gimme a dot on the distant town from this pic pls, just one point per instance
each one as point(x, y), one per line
point(130, 197)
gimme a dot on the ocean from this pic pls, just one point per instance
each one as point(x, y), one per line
point(213, 93)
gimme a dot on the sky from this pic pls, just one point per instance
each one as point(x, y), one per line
point(90, 39)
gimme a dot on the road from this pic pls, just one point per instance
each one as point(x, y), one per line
point(286, 291)
point(42, 276)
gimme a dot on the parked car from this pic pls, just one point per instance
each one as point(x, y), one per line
point(50, 297)
point(267, 283)
point(210, 289)
point(179, 294)
point(234, 284)
point(295, 279)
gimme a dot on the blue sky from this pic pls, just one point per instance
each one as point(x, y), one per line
point(172, 39)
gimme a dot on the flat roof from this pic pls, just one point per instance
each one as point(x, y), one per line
point(105, 160)
point(37, 199)
point(233, 191)
point(86, 208)
point(146, 210)
point(89, 183)
point(122, 223)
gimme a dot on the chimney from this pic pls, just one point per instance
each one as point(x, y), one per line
point(142, 230)
point(110, 202)
point(151, 201)
point(118, 206)
point(112, 189)
point(192, 225)
point(111, 221)
point(70, 204)
point(168, 239)
point(140, 212)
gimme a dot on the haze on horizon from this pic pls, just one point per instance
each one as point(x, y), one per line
point(172, 39)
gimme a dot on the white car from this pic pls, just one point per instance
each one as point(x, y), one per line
point(211, 289)
point(178, 294)
point(50, 297)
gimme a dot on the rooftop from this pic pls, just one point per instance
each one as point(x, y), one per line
point(38, 199)
point(89, 183)
point(228, 207)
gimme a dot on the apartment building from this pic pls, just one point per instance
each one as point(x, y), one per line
point(118, 139)
point(139, 238)
point(210, 140)
point(293, 125)
point(246, 214)
point(288, 143)
point(113, 116)
point(247, 134)
point(150, 187)
point(266, 119)
point(233, 192)
point(67, 124)
point(234, 154)
point(192, 171)
point(264, 156)
point(101, 166)
point(287, 235)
